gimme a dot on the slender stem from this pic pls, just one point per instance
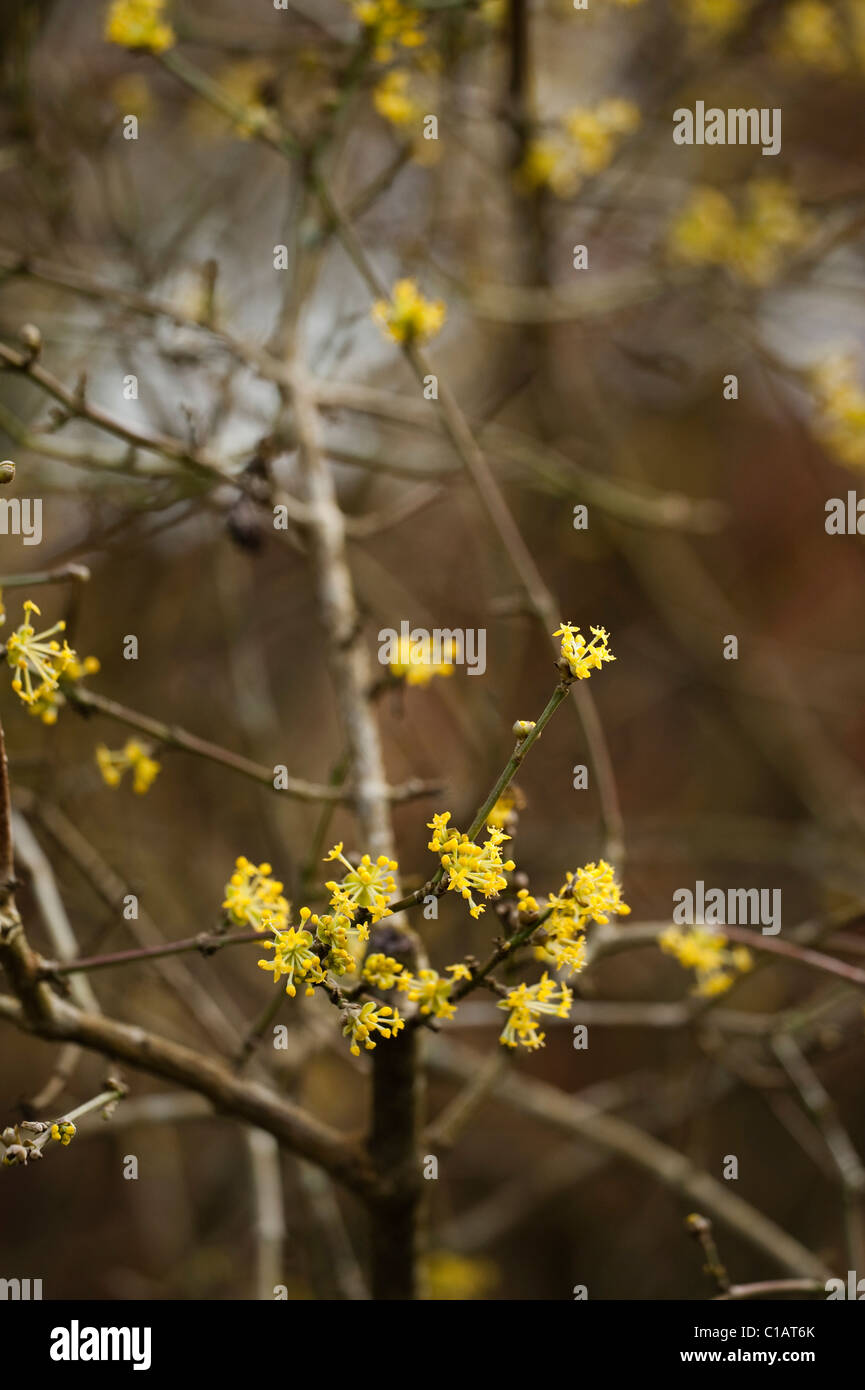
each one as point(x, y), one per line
point(207, 944)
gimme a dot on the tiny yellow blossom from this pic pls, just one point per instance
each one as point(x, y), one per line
point(432, 991)
point(581, 657)
point(840, 408)
point(359, 1023)
point(811, 33)
point(526, 1004)
point(41, 665)
point(584, 143)
point(63, 1132)
point(407, 317)
point(470, 868)
point(505, 813)
point(139, 24)
point(295, 957)
point(381, 971)
point(707, 953)
point(458, 1277)
point(367, 888)
point(415, 664)
point(752, 243)
point(391, 99)
point(713, 19)
point(389, 24)
point(253, 898)
point(133, 756)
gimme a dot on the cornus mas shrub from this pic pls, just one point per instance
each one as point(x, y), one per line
point(347, 162)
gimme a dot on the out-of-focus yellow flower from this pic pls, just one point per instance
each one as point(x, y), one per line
point(713, 19)
point(134, 757)
point(707, 953)
point(505, 813)
point(391, 99)
point(812, 34)
point(584, 144)
point(245, 83)
point(752, 244)
point(389, 24)
point(451, 1276)
point(407, 317)
point(139, 24)
point(415, 665)
point(841, 408)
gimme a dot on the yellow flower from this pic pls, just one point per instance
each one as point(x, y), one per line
point(63, 1132)
point(407, 317)
point(133, 756)
point(432, 991)
point(590, 895)
point(39, 654)
point(414, 663)
point(583, 658)
point(810, 33)
point(584, 144)
point(505, 813)
point(708, 230)
point(294, 956)
point(253, 898)
point(526, 1004)
point(139, 24)
point(841, 408)
point(389, 23)
point(367, 888)
point(713, 18)
point(706, 952)
point(391, 99)
point(359, 1023)
point(470, 868)
point(451, 1276)
point(381, 971)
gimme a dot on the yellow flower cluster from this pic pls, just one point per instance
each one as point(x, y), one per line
point(389, 24)
point(751, 243)
point(295, 957)
point(253, 898)
point(366, 889)
point(590, 895)
point(391, 99)
point(585, 142)
point(841, 408)
point(583, 658)
point(470, 868)
point(359, 1023)
point(526, 1004)
point(706, 952)
point(828, 37)
point(713, 19)
point(414, 663)
point(134, 757)
point(139, 24)
point(407, 317)
point(41, 664)
point(428, 989)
